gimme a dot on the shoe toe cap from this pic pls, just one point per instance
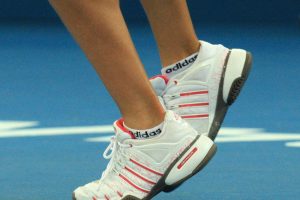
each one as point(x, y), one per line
point(80, 194)
point(73, 196)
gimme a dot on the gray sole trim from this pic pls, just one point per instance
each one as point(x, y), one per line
point(235, 90)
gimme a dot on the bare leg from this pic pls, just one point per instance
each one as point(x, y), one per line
point(173, 29)
point(99, 28)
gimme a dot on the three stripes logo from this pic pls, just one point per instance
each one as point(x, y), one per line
point(139, 176)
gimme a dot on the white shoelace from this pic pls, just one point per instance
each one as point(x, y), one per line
point(110, 152)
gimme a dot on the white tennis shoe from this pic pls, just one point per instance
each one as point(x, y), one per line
point(141, 168)
point(202, 92)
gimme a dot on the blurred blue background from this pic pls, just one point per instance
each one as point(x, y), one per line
point(214, 10)
point(45, 77)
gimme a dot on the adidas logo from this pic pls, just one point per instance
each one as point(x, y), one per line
point(182, 64)
point(145, 135)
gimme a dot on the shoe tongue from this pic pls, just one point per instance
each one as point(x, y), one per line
point(121, 132)
point(159, 84)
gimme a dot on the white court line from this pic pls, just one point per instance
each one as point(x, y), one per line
point(293, 144)
point(9, 129)
point(8, 125)
point(260, 137)
point(233, 135)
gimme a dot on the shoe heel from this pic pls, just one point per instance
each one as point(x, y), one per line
point(191, 162)
point(237, 69)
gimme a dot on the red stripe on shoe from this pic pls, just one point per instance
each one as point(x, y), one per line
point(194, 93)
point(132, 184)
point(94, 198)
point(187, 158)
point(106, 197)
point(194, 116)
point(120, 124)
point(193, 104)
point(139, 176)
point(147, 168)
point(120, 194)
point(112, 187)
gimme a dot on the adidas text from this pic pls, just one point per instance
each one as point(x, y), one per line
point(145, 135)
point(182, 64)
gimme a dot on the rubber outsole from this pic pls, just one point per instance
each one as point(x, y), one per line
point(198, 169)
point(161, 185)
point(239, 82)
point(235, 90)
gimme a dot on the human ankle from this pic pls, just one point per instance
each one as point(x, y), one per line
point(170, 56)
point(144, 120)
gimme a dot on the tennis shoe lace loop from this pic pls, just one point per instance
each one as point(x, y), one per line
point(111, 148)
point(110, 154)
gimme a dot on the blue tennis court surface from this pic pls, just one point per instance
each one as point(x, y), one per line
point(54, 113)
